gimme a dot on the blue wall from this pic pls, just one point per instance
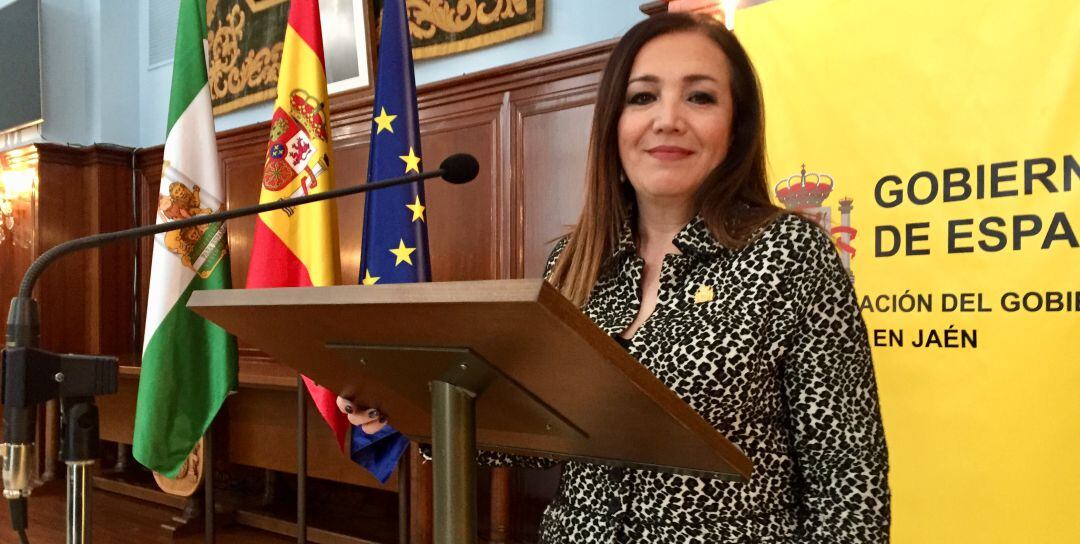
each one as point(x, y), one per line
point(89, 71)
point(115, 73)
point(99, 86)
point(154, 83)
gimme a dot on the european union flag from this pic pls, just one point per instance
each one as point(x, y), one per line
point(395, 223)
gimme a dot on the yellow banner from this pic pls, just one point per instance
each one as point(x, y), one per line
point(941, 147)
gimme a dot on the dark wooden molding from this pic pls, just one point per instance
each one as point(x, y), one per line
point(288, 528)
point(150, 157)
point(104, 154)
point(136, 491)
point(256, 135)
point(652, 8)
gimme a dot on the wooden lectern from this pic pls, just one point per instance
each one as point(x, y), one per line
point(506, 365)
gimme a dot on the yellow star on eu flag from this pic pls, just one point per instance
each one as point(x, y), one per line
point(402, 253)
point(417, 210)
point(384, 122)
point(368, 278)
point(412, 162)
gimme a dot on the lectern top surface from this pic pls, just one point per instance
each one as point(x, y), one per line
point(559, 386)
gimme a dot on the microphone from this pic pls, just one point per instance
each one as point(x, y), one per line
point(30, 374)
point(460, 168)
point(20, 419)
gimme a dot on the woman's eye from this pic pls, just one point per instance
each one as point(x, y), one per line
point(640, 98)
point(702, 98)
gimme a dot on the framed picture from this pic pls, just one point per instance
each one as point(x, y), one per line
point(347, 44)
point(247, 39)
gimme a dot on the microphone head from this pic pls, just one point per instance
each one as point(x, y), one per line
point(460, 168)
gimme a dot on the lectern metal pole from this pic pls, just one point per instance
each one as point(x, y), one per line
point(79, 497)
point(454, 453)
point(301, 460)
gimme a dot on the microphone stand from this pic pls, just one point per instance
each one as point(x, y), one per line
point(33, 376)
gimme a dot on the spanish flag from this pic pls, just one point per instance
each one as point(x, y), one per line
point(298, 247)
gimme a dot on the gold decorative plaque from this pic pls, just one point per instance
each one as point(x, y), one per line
point(189, 478)
point(443, 27)
point(245, 42)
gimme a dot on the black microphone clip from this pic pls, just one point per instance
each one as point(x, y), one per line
point(32, 376)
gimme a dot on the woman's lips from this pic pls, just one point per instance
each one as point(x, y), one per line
point(669, 152)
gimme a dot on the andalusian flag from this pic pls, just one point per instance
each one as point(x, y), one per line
point(189, 364)
point(297, 247)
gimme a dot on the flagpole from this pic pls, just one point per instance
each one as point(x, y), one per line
point(208, 484)
point(403, 476)
point(301, 461)
point(395, 99)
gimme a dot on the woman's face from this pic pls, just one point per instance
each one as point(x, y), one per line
point(676, 124)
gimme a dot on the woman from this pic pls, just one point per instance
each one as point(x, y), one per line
point(744, 310)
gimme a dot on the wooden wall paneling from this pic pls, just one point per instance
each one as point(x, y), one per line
point(262, 433)
point(465, 234)
point(147, 182)
point(112, 268)
point(85, 297)
point(588, 59)
point(500, 505)
point(242, 153)
point(118, 411)
point(241, 175)
point(62, 195)
point(421, 508)
point(350, 170)
point(550, 125)
point(241, 165)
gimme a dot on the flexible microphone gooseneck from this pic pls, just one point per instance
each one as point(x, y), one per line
point(27, 383)
point(457, 169)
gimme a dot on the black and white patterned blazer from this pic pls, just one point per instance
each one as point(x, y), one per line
point(778, 362)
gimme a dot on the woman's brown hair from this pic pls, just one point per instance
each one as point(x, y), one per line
point(734, 200)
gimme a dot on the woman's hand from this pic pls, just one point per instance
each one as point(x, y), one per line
point(369, 419)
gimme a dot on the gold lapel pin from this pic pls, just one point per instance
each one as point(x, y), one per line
point(704, 294)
